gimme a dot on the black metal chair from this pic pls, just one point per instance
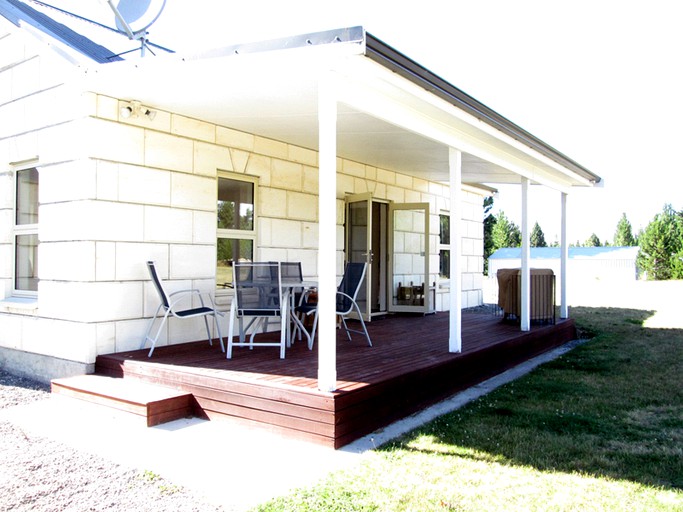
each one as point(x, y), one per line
point(258, 294)
point(170, 302)
point(347, 292)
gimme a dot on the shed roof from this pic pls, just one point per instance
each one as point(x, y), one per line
point(553, 253)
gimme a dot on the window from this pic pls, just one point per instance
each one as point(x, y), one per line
point(26, 232)
point(444, 246)
point(236, 226)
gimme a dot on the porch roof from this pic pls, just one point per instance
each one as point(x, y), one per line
point(392, 112)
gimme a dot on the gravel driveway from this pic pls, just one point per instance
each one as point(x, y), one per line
point(39, 474)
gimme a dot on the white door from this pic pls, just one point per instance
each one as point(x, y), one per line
point(409, 258)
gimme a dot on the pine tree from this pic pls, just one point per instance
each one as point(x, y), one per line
point(537, 238)
point(661, 246)
point(505, 233)
point(489, 222)
point(624, 235)
point(593, 241)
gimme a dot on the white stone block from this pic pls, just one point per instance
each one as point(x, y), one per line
point(311, 184)
point(287, 175)
point(310, 235)
point(286, 233)
point(234, 139)
point(144, 185)
point(254, 165)
point(386, 177)
point(107, 107)
point(168, 225)
point(404, 181)
point(67, 261)
point(272, 202)
point(105, 336)
point(168, 151)
point(6, 259)
point(74, 341)
point(192, 191)
point(192, 261)
point(107, 140)
point(302, 206)
point(270, 147)
point(90, 302)
point(6, 226)
point(272, 254)
point(107, 180)
point(130, 333)
point(396, 194)
point(105, 261)
point(69, 181)
point(353, 168)
point(131, 260)
point(10, 329)
point(193, 128)
point(303, 155)
point(345, 185)
point(91, 220)
point(210, 158)
point(204, 227)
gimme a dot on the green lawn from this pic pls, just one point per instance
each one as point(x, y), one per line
point(599, 429)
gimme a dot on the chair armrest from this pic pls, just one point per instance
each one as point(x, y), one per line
point(183, 293)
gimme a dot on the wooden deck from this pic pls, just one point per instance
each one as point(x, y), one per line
point(407, 368)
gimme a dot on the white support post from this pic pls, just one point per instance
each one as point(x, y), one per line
point(525, 320)
point(564, 258)
point(327, 229)
point(455, 270)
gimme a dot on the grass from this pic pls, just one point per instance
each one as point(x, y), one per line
point(599, 429)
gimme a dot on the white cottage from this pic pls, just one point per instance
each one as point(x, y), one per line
point(331, 146)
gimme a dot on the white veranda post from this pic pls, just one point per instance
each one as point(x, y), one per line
point(564, 258)
point(455, 318)
point(327, 229)
point(525, 320)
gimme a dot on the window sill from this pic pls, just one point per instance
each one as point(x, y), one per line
point(23, 305)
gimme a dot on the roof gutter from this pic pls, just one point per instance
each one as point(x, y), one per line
point(419, 75)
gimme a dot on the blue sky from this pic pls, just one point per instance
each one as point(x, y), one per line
point(598, 80)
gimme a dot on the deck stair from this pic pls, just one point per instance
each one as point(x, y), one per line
point(154, 404)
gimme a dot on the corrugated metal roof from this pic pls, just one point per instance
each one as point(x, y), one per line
point(19, 13)
point(553, 253)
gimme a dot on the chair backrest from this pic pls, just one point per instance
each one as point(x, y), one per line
point(157, 284)
point(350, 285)
point(257, 288)
point(291, 272)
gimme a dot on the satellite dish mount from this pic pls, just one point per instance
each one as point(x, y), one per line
point(134, 17)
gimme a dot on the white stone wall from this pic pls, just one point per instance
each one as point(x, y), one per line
point(117, 192)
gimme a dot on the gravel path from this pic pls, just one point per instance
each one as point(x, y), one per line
point(39, 474)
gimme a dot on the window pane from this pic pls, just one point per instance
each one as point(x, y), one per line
point(27, 196)
point(445, 263)
point(444, 229)
point(26, 263)
point(235, 204)
point(230, 250)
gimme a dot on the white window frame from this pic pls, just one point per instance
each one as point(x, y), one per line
point(22, 229)
point(442, 246)
point(237, 233)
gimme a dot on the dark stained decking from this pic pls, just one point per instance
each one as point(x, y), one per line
point(408, 367)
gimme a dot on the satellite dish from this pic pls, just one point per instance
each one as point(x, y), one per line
point(137, 15)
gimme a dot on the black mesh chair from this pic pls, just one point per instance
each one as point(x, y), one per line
point(170, 302)
point(258, 294)
point(347, 291)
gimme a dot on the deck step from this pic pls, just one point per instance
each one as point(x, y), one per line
point(155, 404)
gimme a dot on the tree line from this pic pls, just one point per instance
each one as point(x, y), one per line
point(661, 242)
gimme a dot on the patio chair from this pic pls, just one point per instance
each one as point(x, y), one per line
point(170, 305)
point(258, 294)
point(347, 291)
